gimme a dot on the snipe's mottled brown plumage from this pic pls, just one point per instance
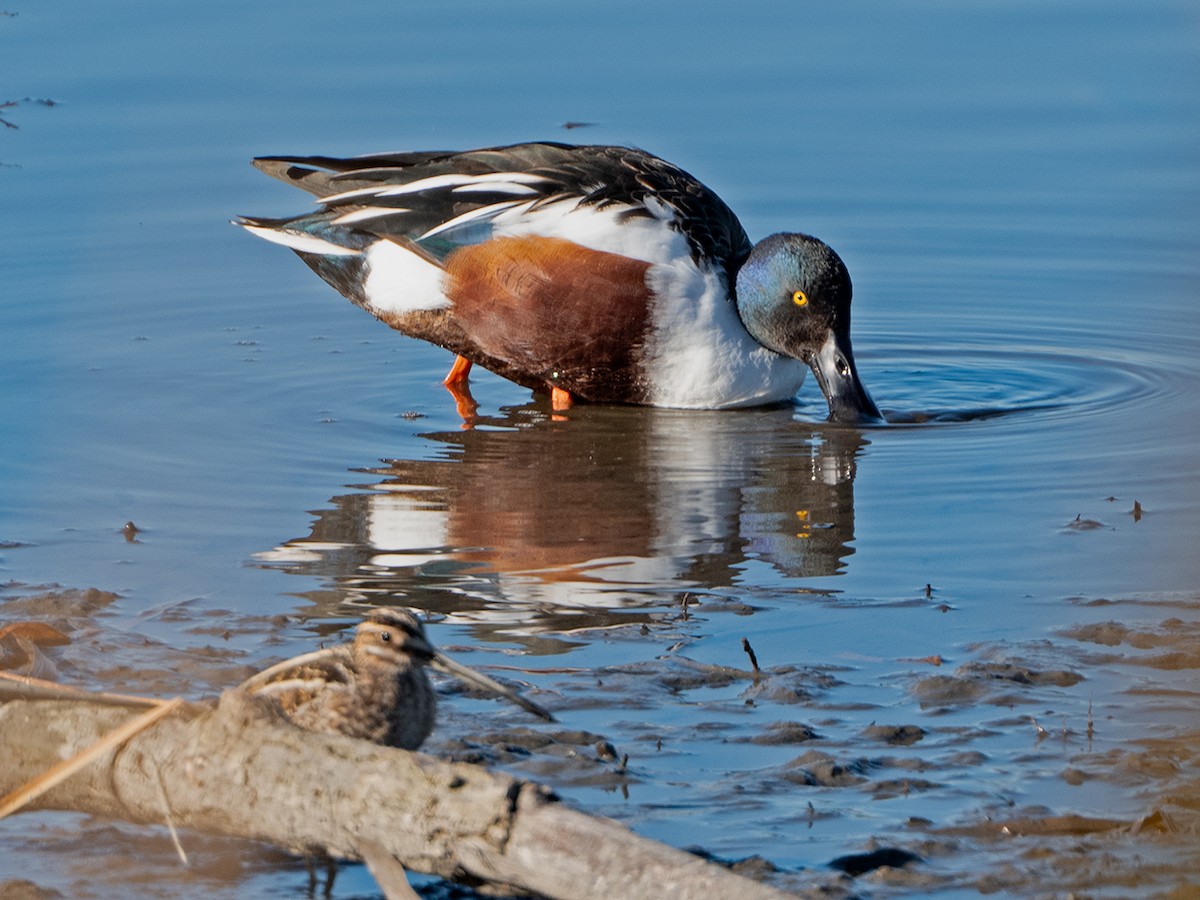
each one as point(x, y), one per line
point(375, 688)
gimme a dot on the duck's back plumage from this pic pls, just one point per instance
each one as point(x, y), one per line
point(594, 176)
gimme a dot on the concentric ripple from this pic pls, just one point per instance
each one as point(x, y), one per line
point(969, 382)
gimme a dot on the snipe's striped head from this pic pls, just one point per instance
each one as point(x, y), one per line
point(392, 638)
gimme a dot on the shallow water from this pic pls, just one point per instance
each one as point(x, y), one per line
point(1014, 190)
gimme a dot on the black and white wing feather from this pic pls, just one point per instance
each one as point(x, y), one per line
point(439, 200)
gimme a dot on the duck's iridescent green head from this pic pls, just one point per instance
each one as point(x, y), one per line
point(793, 295)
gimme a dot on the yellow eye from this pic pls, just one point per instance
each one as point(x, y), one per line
point(800, 298)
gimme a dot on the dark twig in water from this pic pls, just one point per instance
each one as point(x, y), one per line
point(753, 659)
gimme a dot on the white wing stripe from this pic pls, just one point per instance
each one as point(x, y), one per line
point(355, 194)
point(483, 212)
point(367, 213)
point(433, 182)
point(507, 182)
point(305, 243)
point(497, 187)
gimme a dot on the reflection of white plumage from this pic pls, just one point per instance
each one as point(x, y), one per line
point(375, 688)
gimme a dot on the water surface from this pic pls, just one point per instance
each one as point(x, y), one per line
point(1014, 189)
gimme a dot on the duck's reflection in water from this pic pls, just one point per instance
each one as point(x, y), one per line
point(535, 523)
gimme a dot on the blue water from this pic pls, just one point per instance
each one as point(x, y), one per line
point(1014, 188)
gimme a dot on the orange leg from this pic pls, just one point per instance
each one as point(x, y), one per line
point(459, 372)
point(458, 385)
point(560, 400)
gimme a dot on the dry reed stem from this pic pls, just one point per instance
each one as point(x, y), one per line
point(162, 796)
point(27, 686)
point(387, 871)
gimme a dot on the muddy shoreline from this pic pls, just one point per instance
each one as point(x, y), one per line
point(1100, 709)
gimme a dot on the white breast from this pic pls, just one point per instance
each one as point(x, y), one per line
point(699, 354)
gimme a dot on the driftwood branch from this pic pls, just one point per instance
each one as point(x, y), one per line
point(239, 769)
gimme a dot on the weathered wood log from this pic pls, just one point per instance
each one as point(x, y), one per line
point(239, 769)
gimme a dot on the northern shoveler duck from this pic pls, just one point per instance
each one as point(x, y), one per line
point(597, 273)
